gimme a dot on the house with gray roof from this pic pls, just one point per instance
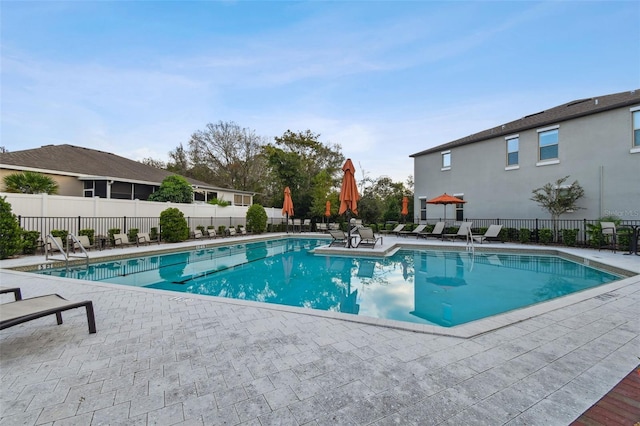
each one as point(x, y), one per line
point(85, 172)
point(595, 141)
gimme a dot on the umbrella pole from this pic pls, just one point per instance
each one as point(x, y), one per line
point(348, 229)
point(287, 219)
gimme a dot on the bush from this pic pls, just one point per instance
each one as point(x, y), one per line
point(132, 235)
point(256, 219)
point(10, 231)
point(112, 232)
point(525, 235)
point(173, 226)
point(90, 233)
point(222, 230)
point(509, 234)
point(154, 233)
point(30, 241)
point(545, 236)
point(570, 237)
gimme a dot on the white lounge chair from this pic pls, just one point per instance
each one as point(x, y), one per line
point(211, 232)
point(417, 231)
point(339, 237)
point(368, 238)
point(395, 230)
point(437, 231)
point(121, 240)
point(83, 241)
point(491, 234)
point(144, 238)
point(20, 311)
point(463, 231)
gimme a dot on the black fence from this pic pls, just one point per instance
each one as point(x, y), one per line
point(102, 225)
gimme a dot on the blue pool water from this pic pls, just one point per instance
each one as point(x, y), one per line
point(418, 286)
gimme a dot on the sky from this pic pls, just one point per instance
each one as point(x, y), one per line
point(383, 79)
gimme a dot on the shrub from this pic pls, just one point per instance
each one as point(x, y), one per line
point(30, 241)
point(133, 234)
point(221, 203)
point(545, 236)
point(256, 219)
point(90, 233)
point(173, 226)
point(525, 235)
point(112, 232)
point(222, 230)
point(175, 189)
point(509, 234)
point(153, 234)
point(570, 237)
point(10, 231)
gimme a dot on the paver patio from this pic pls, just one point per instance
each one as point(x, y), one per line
point(170, 358)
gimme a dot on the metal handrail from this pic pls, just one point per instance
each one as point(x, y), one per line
point(75, 240)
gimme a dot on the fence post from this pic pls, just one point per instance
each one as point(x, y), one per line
point(537, 232)
point(124, 225)
point(79, 225)
point(584, 231)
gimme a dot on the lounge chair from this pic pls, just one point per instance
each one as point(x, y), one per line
point(197, 234)
point(20, 311)
point(609, 236)
point(83, 241)
point(55, 245)
point(368, 238)
point(417, 231)
point(242, 230)
point(437, 231)
point(121, 240)
point(17, 294)
point(231, 232)
point(211, 232)
point(339, 237)
point(491, 234)
point(321, 227)
point(306, 225)
point(463, 231)
point(395, 230)
point(144, 238)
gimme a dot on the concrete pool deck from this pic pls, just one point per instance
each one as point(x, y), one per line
point(169, 358)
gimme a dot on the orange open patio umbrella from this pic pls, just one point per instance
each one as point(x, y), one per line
point(349, 195)
point(287, 206)
point(445, 199)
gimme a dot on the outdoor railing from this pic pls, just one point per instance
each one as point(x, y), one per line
point(512, 227)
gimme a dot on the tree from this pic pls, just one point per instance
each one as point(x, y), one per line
point(174, 188)
point(558, 198)
point(30, 183)
point(230, 155)
point(10, 231)
point(296, 160)
point(158, 164)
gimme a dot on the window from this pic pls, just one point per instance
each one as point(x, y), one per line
point(459, 208)
point(241, 200)
point(446, 160)
point(548, 144)
point(423, 208)
point(512, 151)
point(636, 128)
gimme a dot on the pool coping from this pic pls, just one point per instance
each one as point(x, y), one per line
point(467, 330)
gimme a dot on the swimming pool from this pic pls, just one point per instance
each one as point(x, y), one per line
point(444, 288)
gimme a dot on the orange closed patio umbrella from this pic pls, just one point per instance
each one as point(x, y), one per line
point(349, 195)
point(327, 210)
point(287, 206)
point(405, 207)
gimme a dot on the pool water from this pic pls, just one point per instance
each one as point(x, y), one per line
point(417, 286)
